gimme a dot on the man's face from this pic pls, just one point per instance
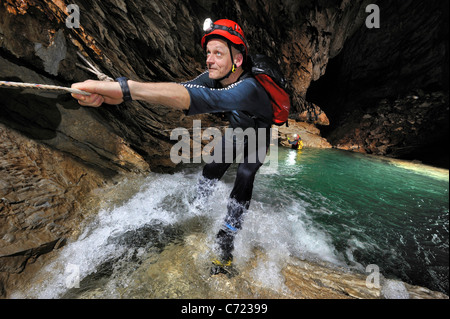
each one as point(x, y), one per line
point(218, 58)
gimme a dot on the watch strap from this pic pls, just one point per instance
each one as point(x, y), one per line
point(123, 82)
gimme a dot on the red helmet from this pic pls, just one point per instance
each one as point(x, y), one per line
point(225, 28)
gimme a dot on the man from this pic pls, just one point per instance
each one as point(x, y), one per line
point(226, 86)
point(297, 143)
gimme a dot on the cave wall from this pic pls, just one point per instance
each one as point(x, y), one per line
point(301, 35)
point(143, 41)
point(160, 41)
point(386, 93)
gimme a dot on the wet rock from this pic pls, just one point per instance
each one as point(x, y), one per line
point(405, 128)
point(384, 73)
point(41, 195)
point(182, 271)
point(313, 114)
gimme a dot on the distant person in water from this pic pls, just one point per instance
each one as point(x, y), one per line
point(296, 142)
point(226, 86)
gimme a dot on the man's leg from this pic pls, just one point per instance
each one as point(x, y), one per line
point(240, 198)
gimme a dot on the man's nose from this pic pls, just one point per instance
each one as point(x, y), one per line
point(210, 59)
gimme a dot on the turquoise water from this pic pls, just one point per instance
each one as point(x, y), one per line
point(394, 214)
point(326, 205)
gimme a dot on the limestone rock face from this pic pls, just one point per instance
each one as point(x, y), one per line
point(391, 127)
point(313, 114)
point(41, 195)
point(386, 92)
point(160, 42)
point(302, 35)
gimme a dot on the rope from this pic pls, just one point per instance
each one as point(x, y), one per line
point(101, 76)
point(41, 87)
point(91, 68)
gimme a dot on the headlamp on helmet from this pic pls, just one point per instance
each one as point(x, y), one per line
point(208, 25)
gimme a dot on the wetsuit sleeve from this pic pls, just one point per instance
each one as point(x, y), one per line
point(244, 95)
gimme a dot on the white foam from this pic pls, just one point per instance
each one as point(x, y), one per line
point(280, 234)
point(280, 231)
point(93, 247)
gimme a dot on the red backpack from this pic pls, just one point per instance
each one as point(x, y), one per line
point(267, 72)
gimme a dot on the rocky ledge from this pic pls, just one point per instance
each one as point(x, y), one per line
point(298, 279)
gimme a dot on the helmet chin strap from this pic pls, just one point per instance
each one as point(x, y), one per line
point(233, 65)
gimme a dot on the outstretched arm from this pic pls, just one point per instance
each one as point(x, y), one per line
point(169, 94)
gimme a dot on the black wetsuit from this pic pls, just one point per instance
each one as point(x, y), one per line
point(248, 106)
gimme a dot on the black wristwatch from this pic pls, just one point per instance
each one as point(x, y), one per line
point(123, 82)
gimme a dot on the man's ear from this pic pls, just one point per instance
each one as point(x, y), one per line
point(238, 58)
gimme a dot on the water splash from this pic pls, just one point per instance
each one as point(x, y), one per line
point(149, 241)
